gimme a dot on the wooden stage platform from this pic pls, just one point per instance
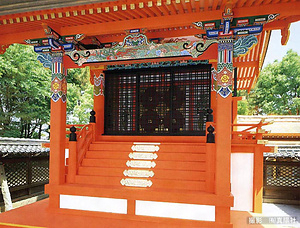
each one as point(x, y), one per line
point(36, 215)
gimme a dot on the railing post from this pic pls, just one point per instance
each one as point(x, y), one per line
point(209, 115)
point(210, 167)
point(93, 117)
point(93, 123)
point(210, 138)
point(72, 166)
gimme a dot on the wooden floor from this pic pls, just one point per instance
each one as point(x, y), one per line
point(36, 215)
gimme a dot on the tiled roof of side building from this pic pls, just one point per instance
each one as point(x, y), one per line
point(21, 145)
point(285, 151)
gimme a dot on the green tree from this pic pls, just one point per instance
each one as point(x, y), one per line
point(24, 93)
point(243, 105)
point(80, 96)
point(277, 91)
point(84, 106)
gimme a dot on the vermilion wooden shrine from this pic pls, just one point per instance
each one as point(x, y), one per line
point(163, 147)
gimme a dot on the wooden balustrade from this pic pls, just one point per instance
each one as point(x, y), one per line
point(251, 134)
point(78, 127)
point(78, 144)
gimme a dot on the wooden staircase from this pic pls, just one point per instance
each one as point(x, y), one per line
point(156, 170)
point(178, 166)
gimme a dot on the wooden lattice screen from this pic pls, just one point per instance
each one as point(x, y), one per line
point(157, 101)
point(26, 175)
point(281, 180)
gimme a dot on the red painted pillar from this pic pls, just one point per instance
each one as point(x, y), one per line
point(223, 116)
point(57, 124)
point(98, 80)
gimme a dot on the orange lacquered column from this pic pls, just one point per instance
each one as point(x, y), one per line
point(57, 125)
point(223, 116)
point(98, 80)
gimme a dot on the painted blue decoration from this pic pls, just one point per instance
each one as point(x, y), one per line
point(45, 59)
point(224, 92)
point(226, 27)
point(248, 30)
point(242, 45)
point(48, 48)
point(53, 43)
point(213, 33)
point(55, 97)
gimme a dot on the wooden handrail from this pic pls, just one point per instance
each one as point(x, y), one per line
point(84, 139)
point(78, 146)
point(75, 125)
point(246, 135)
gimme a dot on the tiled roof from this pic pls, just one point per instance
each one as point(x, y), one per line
point(20, 145)
point(285, 152)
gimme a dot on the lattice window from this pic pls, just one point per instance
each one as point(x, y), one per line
point(281, 175)
point(40, 171)
point(16, 173)
point(164, 101)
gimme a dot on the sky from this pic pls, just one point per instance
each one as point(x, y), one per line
point(276, 50)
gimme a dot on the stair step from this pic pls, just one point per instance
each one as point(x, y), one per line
point(158, 174)
point(166, 147)
point(156, 183)
point(109, 163)
point(117, 163)
point(162, 156)
point(161, 139)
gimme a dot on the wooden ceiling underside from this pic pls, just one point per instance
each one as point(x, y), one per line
point(250, 65)
point(107, 21)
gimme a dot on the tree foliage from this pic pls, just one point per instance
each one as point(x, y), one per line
point(24, 93)
point(80, 96)
point(277, 91)
point(84, 106)
point(243, 105)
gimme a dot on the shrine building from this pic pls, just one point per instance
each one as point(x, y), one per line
point(163, 147)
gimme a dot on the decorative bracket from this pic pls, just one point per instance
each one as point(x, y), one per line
point(285, 34)
point(54, 41)
point(233, 27)
point(236, 36)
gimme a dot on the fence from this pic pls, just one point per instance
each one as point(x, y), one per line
point(282, 176)
point(26, 166)
point(26, 176)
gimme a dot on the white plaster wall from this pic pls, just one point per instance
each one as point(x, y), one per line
point(66, 155)
point(88, 203)
point(242, 181)
point(175, 210)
